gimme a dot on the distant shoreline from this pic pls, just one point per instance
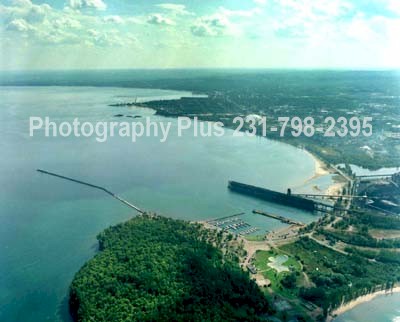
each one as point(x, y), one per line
point(359, 300)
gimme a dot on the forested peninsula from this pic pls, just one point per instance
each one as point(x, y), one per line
point(152, 268)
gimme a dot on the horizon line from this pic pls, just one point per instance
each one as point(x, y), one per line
point(207, 68)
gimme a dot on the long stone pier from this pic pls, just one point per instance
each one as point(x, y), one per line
point(95, 187)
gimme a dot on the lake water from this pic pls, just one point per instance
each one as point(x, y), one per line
point(384, 308)
point(360, 171)
point(48, 226)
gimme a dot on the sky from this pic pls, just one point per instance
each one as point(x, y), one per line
point(114, 34)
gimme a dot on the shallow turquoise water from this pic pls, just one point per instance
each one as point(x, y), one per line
point(48, 225)
point(385, 308)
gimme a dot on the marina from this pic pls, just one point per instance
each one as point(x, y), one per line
point(234, 224)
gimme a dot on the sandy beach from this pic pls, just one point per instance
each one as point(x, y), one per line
point(362, 299)
point(335, 188)
point(322, 169)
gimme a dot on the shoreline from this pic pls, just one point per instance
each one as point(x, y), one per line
point(323, 169)
point(357, 301)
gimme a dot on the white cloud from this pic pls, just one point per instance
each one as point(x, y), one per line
point(333, 8)
point(394, 6)
point(22, 3)
point(110, 38)
point(373, 30)
point(224, 22)
point(114, 19)
point(320, 30)
point(260, 2)
point(359, 28)
point(308, 18)
point(214, 25)
point(66, 22)
point(312, 8)
point(58, 37)
point(239, 13)
point(135, 20)
point(202, 30)
point(158, 19)
point(93, 32)
point(37, 13)
point(178, 9)
point(19, 25)
point(87, 4)
point(51, 27)
point(24, 9)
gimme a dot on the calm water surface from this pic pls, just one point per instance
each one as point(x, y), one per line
point(385, 308)
point(48, 226)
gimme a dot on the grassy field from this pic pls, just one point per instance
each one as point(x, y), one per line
point(262, 261)
point(279, 292)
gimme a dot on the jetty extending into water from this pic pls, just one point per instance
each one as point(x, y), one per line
point(226, 217)
point(93, 186)
point(277, 217)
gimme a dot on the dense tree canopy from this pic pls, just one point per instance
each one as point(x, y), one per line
point(154, 268)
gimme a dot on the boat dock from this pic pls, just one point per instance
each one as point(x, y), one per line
point(249, 231)
point(233, 224)
point(226, 217)
point(93, 186)
point(277, 217)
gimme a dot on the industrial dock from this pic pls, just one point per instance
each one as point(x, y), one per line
point(287, 199)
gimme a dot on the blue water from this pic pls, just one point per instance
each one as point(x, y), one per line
point(366, 172)
point(385, 308)
point(48, 225)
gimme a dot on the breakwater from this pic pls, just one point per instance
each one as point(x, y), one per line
point(277, 217)
point(93, 186)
